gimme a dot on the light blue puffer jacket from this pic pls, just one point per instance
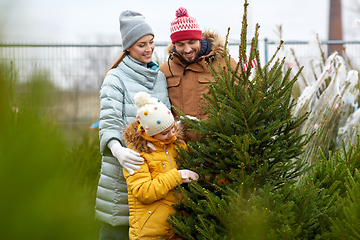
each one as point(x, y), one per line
point(117, 110)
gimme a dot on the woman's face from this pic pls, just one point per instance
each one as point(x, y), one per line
point(143, 49)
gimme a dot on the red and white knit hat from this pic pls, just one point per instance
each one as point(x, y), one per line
point(184, 27)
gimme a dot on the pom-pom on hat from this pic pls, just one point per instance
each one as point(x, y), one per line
point(133, 27)
point(184, 27)
point(153, 115)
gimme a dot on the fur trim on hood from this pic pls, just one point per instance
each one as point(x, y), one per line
point(133, 137)
point(218, 42)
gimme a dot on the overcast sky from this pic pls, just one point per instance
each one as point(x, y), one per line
point(79, 21)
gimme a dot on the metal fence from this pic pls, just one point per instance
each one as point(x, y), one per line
point(78, 69)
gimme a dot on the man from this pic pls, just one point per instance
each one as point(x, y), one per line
point(185, 70)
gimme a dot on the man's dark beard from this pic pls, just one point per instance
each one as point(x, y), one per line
point(195, 58)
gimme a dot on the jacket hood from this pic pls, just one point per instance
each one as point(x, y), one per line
point(138, 142)
point(217, 42)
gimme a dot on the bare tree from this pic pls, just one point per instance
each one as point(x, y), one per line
point(84, 71)
point(98, 60)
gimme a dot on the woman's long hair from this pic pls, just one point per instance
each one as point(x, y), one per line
point(117, 61)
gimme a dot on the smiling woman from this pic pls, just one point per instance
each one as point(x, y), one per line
point(133, 72)
point(143, 49)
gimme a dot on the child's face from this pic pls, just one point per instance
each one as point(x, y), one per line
point(166, 135)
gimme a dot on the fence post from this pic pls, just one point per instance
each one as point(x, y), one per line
point(266, 50)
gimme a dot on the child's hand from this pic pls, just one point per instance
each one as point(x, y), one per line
point(188, 175)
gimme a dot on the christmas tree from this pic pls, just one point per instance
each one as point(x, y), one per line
point(249, 143)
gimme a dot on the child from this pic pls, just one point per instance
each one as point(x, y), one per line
point(151, 189)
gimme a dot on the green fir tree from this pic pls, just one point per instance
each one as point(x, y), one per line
point(249, 142)
point(346, 225)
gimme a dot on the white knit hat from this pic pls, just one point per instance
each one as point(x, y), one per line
point(153, 115)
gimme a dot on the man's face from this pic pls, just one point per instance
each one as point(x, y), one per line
point(188, 49)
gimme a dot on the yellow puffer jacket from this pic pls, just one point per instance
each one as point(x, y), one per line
point(151, 189)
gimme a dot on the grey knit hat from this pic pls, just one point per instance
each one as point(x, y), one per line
point(133, 27)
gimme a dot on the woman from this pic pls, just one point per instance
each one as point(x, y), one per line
point(132, 72)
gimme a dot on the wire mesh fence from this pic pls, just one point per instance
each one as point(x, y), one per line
point(77, 70)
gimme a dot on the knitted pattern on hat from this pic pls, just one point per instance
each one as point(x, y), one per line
point(184, 27)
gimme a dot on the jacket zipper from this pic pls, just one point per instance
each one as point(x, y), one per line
point(167, 154)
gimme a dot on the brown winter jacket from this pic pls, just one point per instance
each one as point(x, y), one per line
point(151, 189)
point(186, 83)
